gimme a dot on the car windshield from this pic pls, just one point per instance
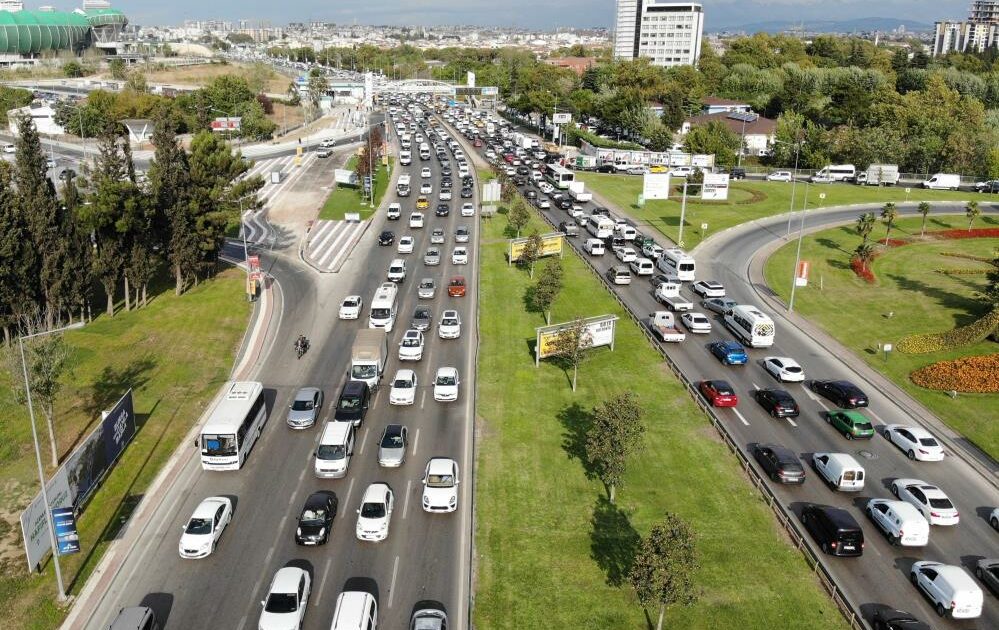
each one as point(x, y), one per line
point(199, 526)
point(941, 503)
point(440, 481)
point(313, 516)
point(723, 389)
point(449, 321)
point(350, 303)
point(349, 403)
point(446, 379)
point(392, 441)
point(218, 445)
point(331, 451)
point(373, 510)
point(411, 342)
point(281, 603)
point(363, 372)
point(303, 405)
point(401, 383)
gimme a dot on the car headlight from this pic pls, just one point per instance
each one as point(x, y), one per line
point(454, 500)
point(426, 501)
point(322, 532)
point(298, 531)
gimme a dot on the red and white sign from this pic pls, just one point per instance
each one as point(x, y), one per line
point(801, 273)
point(226, 124)
point(254, 262)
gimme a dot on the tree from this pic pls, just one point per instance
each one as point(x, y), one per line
point(46, 359)
point(169, 178)
point(972, 211)
point(663, 571)
point(518, 216)
point(865, 254)
point(548, 287)
point(865, 225)
point(136, 82)
point(72, 69)
point(889, 214)
point(18, 258)
point(571, 345)
point(531, 252)
point(713, 138)
point(615, 435)
point(924, 209)
point(318, 85)
point(117, 69)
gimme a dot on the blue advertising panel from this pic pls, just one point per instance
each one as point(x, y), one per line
point(67, 538)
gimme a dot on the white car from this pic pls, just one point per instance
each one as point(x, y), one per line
point(653, 251)
point(462, 234)
point(916, 442)
point(625, 254)
point(546, 187)
point(426, 188)
point(467, 210)
point(784, 369)
point(994, 519)
point(411, 346)
point(449, 326)
point(930, 500)
point(403, 390)
point(681, 171)
point(425, 173)
point(375, 513)
point(204, 528)
point(446, 384)
point(459, 256)
point(445, 194)
point(287, 599)
point(708, 289)
point(440, 485)
point(437, 237)
point(696, 322)
point(397, 270)
point(405, 245)
point(544, 204)
point(9, 148)
point(394, 211)
point(416, 220)
point(351, 306)
point(779, 176)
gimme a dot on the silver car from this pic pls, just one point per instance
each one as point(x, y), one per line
point(427, 289)
point(422, 318)
point(392, 447)
point(305, 407)
point(719, 305)
point(432, 257)
point(437, 236)
point(461, 234)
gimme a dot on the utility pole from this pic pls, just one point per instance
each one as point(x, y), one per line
point(797, 255)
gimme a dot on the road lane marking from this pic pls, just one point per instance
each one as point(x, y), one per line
point(350, 489)
point(875, 416)
point(364, 439)
point(405, 504)
point(395, 571)
point(423, 398)
point(791, 421)
point(755, 386)
point(416, 441)
point(302, 475)
point(741, 417)
point(322, 582)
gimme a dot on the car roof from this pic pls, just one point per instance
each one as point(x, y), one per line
point(449, 313)
point(447, 370)
point(375, 492)
point(720, 384)
point(353, 387)
point(393, 429)
point(207, 508)
point(286, 580)
point(838, 516)
point(781, 393)
point(441, 466)
point(781, 451)
point(405, 374)
point(317, 499)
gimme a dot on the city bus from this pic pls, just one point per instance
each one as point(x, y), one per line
point(559, 176)
point(233, 426)
point(751, 326)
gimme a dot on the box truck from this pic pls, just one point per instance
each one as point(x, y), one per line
point(368, 356)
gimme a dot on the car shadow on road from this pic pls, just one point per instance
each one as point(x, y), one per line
point(161, 603)
point(576, 422)
point(363, 584)
point(613, 541)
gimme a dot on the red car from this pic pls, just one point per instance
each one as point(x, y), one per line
point(456, 288)
point(478, 142)
point(719, 393)
point(509, 158)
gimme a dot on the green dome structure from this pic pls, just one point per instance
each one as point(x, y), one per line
point(34, 32)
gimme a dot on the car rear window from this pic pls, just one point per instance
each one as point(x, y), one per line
point(941, 504)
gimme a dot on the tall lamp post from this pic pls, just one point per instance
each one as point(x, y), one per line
point(38, 453)
point(797, 255)
point(794, 179)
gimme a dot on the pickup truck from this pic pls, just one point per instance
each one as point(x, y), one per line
point(668, 293)
point(663, 326)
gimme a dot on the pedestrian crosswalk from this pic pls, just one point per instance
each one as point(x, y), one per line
point(330, 242)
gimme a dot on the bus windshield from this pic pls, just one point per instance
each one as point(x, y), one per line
point(218, 445)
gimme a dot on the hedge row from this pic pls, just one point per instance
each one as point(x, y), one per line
point(984, 259)
point(971, 374)
point(963, 336)
point(962, 271)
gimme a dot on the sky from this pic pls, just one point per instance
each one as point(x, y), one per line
point(544, 14)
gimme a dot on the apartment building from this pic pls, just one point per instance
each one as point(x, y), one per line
point(667, 33)
point(976, 34)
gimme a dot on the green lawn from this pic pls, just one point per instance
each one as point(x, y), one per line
point(343, 199)
point(552, 552)
point(175, 353)
point(922, 300)
point(748, 200)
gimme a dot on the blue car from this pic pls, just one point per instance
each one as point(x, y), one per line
point(729, 352)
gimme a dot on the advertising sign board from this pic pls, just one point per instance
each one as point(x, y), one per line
point(655, 186)
point(490, 90)
point(551, 245)
point(67, 538)
point(345, 176)
point(226, 124)
point(715, 186)
point(801, 273)
point(561, 118)
point(599, 329)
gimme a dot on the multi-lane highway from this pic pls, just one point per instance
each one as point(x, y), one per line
point(426, 556)
point(881, 576)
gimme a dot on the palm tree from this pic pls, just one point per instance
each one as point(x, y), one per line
point(865, 254)
point(889, 214)
point(972, 211)
point(865, 225)
point(924, 209)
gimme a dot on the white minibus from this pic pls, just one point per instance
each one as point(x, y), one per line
point(751, 326)
point(678, 263)
point(384, 306)
point(233, 426)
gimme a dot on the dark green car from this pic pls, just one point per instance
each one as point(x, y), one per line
point(851, 424)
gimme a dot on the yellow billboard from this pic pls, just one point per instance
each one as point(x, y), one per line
point(551, 245)
point(599, 330)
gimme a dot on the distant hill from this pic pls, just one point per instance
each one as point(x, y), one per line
point(827, 26)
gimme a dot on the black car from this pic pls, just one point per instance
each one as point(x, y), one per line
point(386, 238)
point(530, 194)
point(446, 182)
point(891, 619)
point(835, 530)
point(598, 211)
point(442, 210)
point(518, 180)
point(565, 203)
point(605, 168)
point(779, 463)
point(777, 402)
point(466, 193)
point(523, 170)
point(352, 405)
point(316, 521)
point(843, 393)
point(737, 173)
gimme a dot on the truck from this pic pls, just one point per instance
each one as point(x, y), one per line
point(368, 356)
point(402, 187)
point(662, 324)
point(879, 175)
point(668, 294)
point(576, 192)
point(585, 162)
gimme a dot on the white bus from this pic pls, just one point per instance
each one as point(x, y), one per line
point(751, 326)
point(559, 176)
point(384, 306)
point(233, 426)
point(678, 263)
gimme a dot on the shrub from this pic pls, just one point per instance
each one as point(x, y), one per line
point(961, 271)
point(963, 336)
point(867, 273)
point(971, 374)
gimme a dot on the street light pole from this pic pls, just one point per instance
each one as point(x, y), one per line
point(794, 181)
point(742, 146)
point(61, 590)
point(797, 255)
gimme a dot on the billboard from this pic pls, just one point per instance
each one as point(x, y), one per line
point(345, 176)
point(600, 329)
point(801, 273)
point(470, 79)
point(490, 90)
point(715, 186)
point(67, 538)
point(551, 245)
point(655, 186)
point(561, 118)
point(226, 124)
point(79, 476)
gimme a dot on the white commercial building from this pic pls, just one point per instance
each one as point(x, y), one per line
point(43, 117)
point(667, 33)
point(976, 34)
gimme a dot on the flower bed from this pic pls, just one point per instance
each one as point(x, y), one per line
point(867, 273)
point(975, 233)
point(971, 374)
point(963, 336)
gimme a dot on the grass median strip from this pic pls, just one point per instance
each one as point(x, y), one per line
point(175, 353)
point(748, 200)
point(344, 199)
point(552, 551)
point(910, 296)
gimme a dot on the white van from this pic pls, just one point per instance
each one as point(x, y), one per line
point(625, 231)
point(335, 449)
point(676, 262)
point(840, 470)
point(619, 274)
point(835, 173)
point(355, 610)
point(901, 522)
point(405, 157)
point(642, 267)
point(600, 226)
point(751, 326)
point(397, 270)
point(949, 588)
point(594, 247)
point(384, 306)
point(943, 181)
